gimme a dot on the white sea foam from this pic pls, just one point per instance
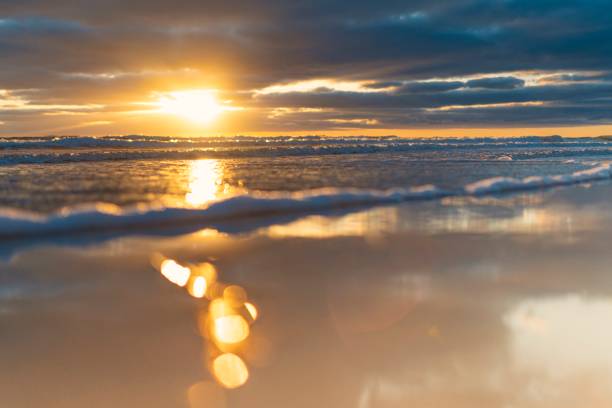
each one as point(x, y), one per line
point(104, 217)
point(508, 184)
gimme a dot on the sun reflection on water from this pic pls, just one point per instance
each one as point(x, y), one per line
point(231, 329)
point(175, 273)
point(205, 182)
point(224, 323)
point(198, 288)
point(230, 370)
point(252, 310)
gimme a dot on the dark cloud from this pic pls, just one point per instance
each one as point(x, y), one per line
point(559, 94)
point(496, 83)
point(115, 51)
point(433, 86)
point(38, 26)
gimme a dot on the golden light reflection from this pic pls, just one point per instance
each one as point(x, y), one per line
point(230, 370)
point(198, 287)
point(372, 222)
point(224, 324)
point(251, 309)
point(200, 106)
point(235, 295)
point(206, 181)
point(175, 273)
point(203, 280)
point(231, 329)
point(218, 308)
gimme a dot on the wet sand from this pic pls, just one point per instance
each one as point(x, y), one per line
point(492, 302)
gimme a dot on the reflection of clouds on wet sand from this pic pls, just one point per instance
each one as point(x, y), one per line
point(562, 335)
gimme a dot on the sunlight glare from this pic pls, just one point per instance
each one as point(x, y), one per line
point(200, 106)
point(206, 178)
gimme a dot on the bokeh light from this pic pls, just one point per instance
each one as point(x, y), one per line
point(175, 273)
point(197, 287)
point(224, 324)
point(231, 329)
point(251, 309)
point(230, 370)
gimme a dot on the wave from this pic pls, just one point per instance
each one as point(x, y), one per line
point(140, 141)
point(106, 217)
point(469, 151)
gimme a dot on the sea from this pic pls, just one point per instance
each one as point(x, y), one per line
point(352, 272)
point(61, 184)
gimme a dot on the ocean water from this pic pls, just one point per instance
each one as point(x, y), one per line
point(383, 273)
point(61, 182)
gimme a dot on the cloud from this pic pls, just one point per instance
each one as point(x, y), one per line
point(432, 86)
point(496, 83)
point(407, 56)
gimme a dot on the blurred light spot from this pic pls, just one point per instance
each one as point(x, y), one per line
point(230, 370)
point(235, 295)
point(251, 309)
point(219, 307)
point(231, 329)
point(215, 291)
point(197, 288)
point(175, 273)
point(224, 324)
point(207, 270)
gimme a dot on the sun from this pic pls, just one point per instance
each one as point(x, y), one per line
point(199, 106)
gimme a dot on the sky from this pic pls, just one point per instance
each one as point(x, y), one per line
point(336, 67)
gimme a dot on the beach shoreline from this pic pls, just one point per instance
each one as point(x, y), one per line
point(370, 305)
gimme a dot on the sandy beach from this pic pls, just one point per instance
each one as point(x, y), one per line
point(460, 302)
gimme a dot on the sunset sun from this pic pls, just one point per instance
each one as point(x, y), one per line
point(199, 106)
